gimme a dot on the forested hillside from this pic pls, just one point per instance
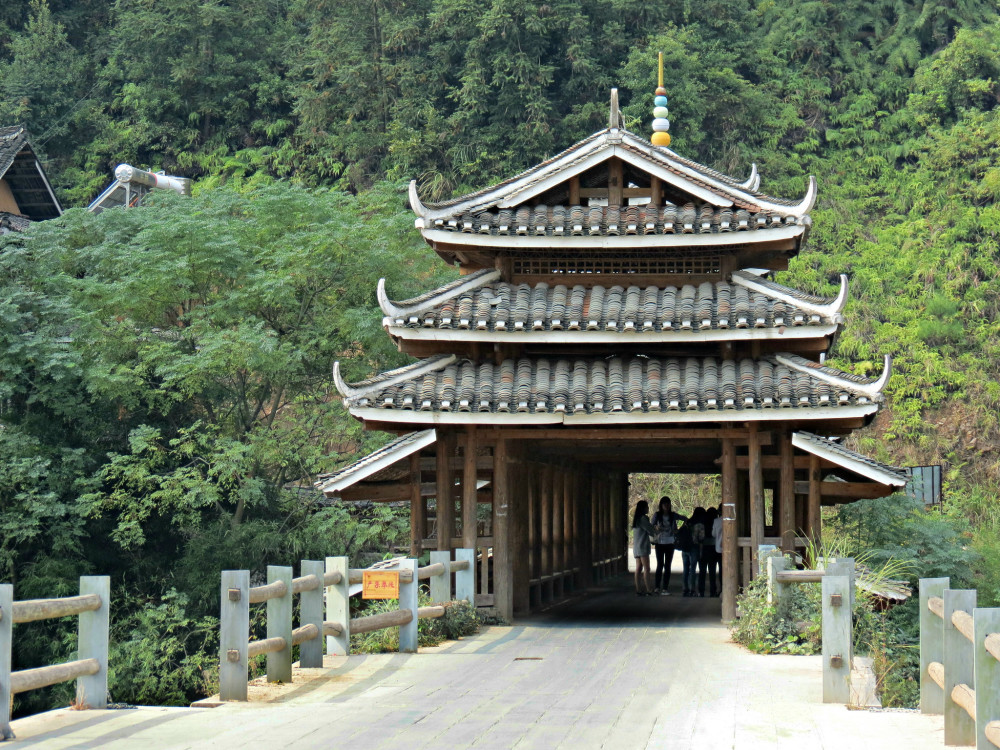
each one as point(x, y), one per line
point(164, 373)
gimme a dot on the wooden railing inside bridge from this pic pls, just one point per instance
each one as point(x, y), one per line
point(325, 588)
point(960, 664)
point(90, 670)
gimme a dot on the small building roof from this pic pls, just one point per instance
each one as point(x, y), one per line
point(369, 467)
point(636, 389)
point(480, 307)
point(837, 454)
point(23, 174)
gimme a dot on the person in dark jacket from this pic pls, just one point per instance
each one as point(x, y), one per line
point(706, 558)
point(665, 521)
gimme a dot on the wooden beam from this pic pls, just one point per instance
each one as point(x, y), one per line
point(730, 552)
point(756, 499)
point(418, 509)
point(846, 491)
point(470, 498)
point(786, 495)
point(617, 434)
point(503, 584)
point(777, 462)
point(382, 493)
point(615, 178)
point(445, 492)
point(457, 463)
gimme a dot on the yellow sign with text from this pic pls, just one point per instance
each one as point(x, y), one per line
point(380, 584)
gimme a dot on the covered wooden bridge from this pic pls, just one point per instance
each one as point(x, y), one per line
point(614, 314)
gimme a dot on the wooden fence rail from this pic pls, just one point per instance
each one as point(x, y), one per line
point(838, 582)
point(324, 612)
point(90, 671)
point(960, 664)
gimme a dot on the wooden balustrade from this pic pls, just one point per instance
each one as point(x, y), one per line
point(960, 664)
point(329, 581)
point(90, 670)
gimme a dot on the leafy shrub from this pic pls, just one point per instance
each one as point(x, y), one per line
point(459, 620)
point(790, 626)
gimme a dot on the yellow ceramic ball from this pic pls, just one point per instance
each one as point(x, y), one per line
point(661, 139)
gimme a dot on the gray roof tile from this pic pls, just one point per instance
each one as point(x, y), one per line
point(569, 221)
point(514, 308)
point(616, 384)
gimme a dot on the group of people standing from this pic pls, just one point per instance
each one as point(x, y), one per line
point(698, 539)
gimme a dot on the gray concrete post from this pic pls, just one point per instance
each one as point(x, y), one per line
point(311, 613)
point(931, 645)
point(92, 690)
point(441, 585)
point(844, 566)
point(234, 635)
point(987, 673)
point(775, 590)
point(338, 607)
point(6, 639)
point(959, 728)
point(465, 580)
point(279, 625)
point(836, 639)
point(408, 600)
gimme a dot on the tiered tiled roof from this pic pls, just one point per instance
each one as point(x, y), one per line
point(701, 387)
point(480, 302)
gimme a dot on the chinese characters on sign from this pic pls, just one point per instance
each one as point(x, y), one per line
point(380, 584)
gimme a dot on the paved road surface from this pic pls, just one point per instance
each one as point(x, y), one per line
point(610, 670)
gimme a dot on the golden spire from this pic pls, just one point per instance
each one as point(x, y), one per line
point(661, 125)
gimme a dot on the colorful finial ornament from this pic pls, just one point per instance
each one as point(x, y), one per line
point(661, 125)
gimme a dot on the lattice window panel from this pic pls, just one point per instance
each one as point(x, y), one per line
point(616, 263)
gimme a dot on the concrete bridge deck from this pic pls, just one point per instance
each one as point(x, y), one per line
point(609, 670)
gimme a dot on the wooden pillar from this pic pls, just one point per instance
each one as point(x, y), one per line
point(655, 192)
point(532, 490)
point(815, 523)
point(568, 539)
point(418, 509)
point(756, 499)
point(517, 525)
point(546, 527)
point(445, 493)
point(786, 495)
point(503, 585)
point(470, 496)
point(574, 190)
point(730, 551)
point(583, 525)
point(558, 531)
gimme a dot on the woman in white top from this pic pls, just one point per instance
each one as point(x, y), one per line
point(642, 531)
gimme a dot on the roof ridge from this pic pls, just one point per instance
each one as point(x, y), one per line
point(865, 386)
